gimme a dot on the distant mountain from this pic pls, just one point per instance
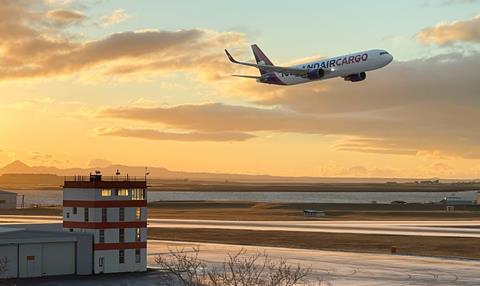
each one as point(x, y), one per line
point(15, 167)
point(18, 167)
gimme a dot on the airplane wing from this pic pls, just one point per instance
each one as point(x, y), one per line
point(269, 68)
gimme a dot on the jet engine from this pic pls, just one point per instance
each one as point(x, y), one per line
point(356, 77)
point(315, 74)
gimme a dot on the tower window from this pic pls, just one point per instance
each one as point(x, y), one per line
point(138, 194)
point(106, 193)
point(121, 214)
point(122, 192)
point(137, 255)
point(85, 214)
point(121, 235)
point(121, 256)
point(138, 213)
point(74, 210)
point(104, 215)
point(138, 235)
point(101, 236)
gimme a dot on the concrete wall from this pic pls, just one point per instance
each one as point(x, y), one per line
point(8, 201)
point(9, 252)
point(84, 254)
point(112, 265)
point(58, 258)
point(46, 259)
point(30, 260)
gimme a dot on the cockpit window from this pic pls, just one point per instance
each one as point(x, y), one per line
point(384, 53)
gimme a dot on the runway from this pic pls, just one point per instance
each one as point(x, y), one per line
point(466, 228)
point(345, 268)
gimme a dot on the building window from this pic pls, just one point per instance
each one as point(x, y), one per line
point(74, 210)
point(121, 214)
point(138, 213)
point(71, 230)
point(68, 215)
point(138, 235)
point(106, 193)
point(121, 235)
point(137, 256)
point(101, 236)
point(121, 256)
point(138, 194)
point(85, 214)
point(122, 192)
point(104, 215)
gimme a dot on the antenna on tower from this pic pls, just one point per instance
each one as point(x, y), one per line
point(146, 173)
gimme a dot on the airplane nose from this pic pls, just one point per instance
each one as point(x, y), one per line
point(389, 59)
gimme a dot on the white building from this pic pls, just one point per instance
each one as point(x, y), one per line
point(30, 253)
point(8, 200)
point(114, 210)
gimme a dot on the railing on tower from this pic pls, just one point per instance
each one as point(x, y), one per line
point(98, 178)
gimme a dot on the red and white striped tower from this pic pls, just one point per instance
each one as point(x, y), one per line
point(114, 210)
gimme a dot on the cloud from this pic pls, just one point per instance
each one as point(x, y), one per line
point(447, 33)
point(418, 107)
point(115, 17)
point(65, 17)
point(32, 47)
point(152, 134)
point(58, 2)
point(218, 117)
point(45, 159)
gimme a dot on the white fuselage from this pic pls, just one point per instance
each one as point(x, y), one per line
point(342, 66)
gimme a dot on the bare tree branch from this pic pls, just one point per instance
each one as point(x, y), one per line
point(239, 269)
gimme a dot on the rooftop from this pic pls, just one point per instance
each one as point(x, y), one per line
point(8, 193)
point(8, 235)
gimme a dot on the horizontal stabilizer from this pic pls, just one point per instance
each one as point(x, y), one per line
point(246, 76)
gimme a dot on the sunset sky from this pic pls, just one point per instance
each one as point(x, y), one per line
point(147, 83)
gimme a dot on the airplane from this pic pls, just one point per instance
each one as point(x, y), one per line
point(352, 67)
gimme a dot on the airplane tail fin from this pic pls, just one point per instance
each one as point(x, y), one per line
point(261, 58)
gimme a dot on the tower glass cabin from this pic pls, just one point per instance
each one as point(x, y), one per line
point(114, 210)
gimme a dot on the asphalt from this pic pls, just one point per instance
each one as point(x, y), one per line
point(345, 268)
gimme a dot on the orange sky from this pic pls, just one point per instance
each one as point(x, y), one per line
point(76, 86)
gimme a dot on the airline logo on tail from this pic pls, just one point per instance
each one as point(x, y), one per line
point(261, 58)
